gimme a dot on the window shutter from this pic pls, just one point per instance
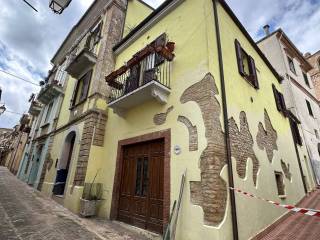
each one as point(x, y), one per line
point(239, 57)
point(253, 72)
point(73, 99)
point(86, 84)
point(277, 98)
point(295, 132)
point(283, 103)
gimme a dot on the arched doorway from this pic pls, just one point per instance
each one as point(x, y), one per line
point(64, 164)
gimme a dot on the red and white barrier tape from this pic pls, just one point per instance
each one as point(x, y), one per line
point(306, 211)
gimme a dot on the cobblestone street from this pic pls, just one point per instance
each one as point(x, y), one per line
point(26, 215)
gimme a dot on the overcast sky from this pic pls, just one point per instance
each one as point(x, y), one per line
point(28, 39)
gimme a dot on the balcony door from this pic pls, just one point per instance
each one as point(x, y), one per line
point(141, 189)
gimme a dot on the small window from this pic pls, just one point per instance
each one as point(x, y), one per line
point(309, 108)
point(291, 65)
point(306, 80)
point(246, 65)
point(82, 88)
point(279, 99)
point(316, 133)
point(319, 63)
point(48, 114)
point(295, 132)
point(280, 184)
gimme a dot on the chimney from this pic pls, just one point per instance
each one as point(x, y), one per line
point(266, 29)
point(307, 54)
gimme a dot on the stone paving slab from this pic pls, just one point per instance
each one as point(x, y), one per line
point(26, 215)
point(296, 226)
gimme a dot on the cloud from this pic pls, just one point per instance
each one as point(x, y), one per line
point(298, 18)
point(28, 40)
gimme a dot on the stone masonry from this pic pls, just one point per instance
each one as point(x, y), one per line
point(267, 137)
point(242, 146)
point(211, 192)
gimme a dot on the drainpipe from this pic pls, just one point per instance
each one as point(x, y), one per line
point(226, 125)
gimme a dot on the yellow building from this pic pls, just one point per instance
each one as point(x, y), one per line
point(189, 92)
point(83, 60)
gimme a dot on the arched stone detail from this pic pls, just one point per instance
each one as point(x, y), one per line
point(241, 142)
point(211, 192)
point(193, 133)
point(267, 137)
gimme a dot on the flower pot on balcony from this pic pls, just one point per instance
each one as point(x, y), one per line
point(170, 46)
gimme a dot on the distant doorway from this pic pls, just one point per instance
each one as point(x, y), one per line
point(35, 165)
point(64, 164)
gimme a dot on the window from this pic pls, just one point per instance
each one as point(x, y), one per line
point(316, 133)
point(291, 65)
point(48, 112)
point(246, 66)
point(280, 184)
point(295, 132)
point(309, 108)
point(306, 80)
point(279, 99)
point(81, 90)
point(319, 63)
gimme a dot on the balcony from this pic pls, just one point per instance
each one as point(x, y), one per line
point(84, 56)
point(49, 91)
point(147, 80)
point(35, 108)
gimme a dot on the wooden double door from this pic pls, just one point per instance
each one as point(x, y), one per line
point(141, 189)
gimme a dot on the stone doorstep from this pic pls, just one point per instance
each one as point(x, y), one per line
point(149, 235)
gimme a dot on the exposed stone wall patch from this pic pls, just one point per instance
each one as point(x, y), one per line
point(286, 170)
point(267, 137)
point(161, 118)
point(242, 146)
point(211, 192)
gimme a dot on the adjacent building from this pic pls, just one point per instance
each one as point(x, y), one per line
point(12, 144)
point(299, 94)
point(314, 73)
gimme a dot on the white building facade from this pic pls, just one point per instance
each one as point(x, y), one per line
point(299, 95)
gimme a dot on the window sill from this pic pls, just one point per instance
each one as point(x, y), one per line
point(282, 197)
point(78, 104)
point(45, 125)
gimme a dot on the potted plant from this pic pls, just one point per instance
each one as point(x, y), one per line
point(91, 198)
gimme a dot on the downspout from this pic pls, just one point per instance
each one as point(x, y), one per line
point(235, 231)
point(299, 160)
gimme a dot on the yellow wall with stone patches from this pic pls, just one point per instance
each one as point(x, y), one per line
point(196, 55)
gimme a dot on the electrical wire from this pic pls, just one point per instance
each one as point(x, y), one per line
point(29, 4)
point(36, 84)
point(13, 112)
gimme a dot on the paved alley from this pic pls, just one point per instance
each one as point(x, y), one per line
point(296, 226)
point(26, 215)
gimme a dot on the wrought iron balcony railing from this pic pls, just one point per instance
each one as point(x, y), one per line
point(154, 68)
point(145, 76)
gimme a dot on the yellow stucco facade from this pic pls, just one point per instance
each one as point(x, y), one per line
point(196, 59)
